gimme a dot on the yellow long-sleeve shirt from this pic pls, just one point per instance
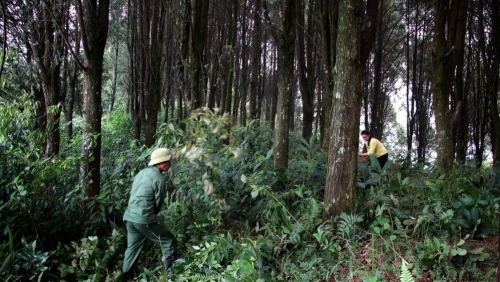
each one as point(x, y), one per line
point(375, 147)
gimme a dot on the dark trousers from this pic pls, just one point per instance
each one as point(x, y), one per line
point(137, 234)
point(382, 160)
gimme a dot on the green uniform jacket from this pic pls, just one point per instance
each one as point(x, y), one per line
point(146, 197)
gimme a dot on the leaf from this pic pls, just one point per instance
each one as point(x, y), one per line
point(467, 200)
point(243, 178)
point(408, 222)
point(476, 251)
point(406, 181)
point(269, 153)
point(254, 193)
point(405, 273)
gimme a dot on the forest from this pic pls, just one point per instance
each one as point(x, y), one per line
point(262, 103)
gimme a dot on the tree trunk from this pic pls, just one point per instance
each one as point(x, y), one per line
point(94, 21)
point(151, 23)
point(328, 26)
point(112, 96)
point(198, 39)
point(285, 37)
point(255, 58)
point(47, 48)
point(459, 99)
point(69, 105)
point(379, 97)
point(446, 44)
point(342, 151)
point(305, 69)
point(493, 84)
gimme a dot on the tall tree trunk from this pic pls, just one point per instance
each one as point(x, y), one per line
point(285, 36)
point(343, 140)
point(353, 49)
point(48, 49)
point(114, 82)
point(305, 70)
point(133, 85)
point(446, 44)
point(198, 39)
point(151, 23)
point(73, 86)
point(255, 58)
point(328, 26)
point(94, 22)
point(459, 97)
point(493, 84)
point(379, 96)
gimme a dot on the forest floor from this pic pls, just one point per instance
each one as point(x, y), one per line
point(363, 255)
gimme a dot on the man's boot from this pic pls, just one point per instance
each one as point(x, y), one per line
point(169, 261)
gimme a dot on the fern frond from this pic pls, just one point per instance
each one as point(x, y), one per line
point(347, 225)
point(405, 273)
point(203, 277)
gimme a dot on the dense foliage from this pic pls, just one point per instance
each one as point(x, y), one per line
point(234, 217)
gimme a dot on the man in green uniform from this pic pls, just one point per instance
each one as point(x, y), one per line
point(374, 147)
point(146, 198)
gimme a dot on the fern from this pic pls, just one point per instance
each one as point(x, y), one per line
point(348, 225)
point(405, 273)
point(311, 214)
point(204, 277)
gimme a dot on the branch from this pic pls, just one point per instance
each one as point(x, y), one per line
point(79, 10)
point(274, 33)
point(66, 41)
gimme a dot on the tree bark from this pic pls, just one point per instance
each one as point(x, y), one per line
point(94, 22)
point(328, 26)
point(446, 44)
point(198, 39)
point(285, 36)
point(343, 146)
point(305, 69)
point(255, 56)
point(151, 23)
point(494, 84)
point(47, 47)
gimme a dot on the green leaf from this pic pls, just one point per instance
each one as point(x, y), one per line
point(476, 251)
point(254, 193)
point(269, 153)
point(474, 214)
point(408, 222)
point(467, 200)
point(406, 181)
point(456, 204)
point(243, 178)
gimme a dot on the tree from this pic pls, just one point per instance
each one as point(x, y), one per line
point(448, 40)
point(45, 22)
point(284, 35)
point(328, 26)
point(198, 40)
point(306, 66)
point(256, 52)
point(352, 55)
point(93, 18)
point(149, 47)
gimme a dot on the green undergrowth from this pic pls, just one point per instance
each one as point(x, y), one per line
point(234, 217)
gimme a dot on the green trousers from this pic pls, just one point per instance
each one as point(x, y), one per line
point(137, 234)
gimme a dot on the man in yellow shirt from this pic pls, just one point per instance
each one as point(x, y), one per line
point(374, 147)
